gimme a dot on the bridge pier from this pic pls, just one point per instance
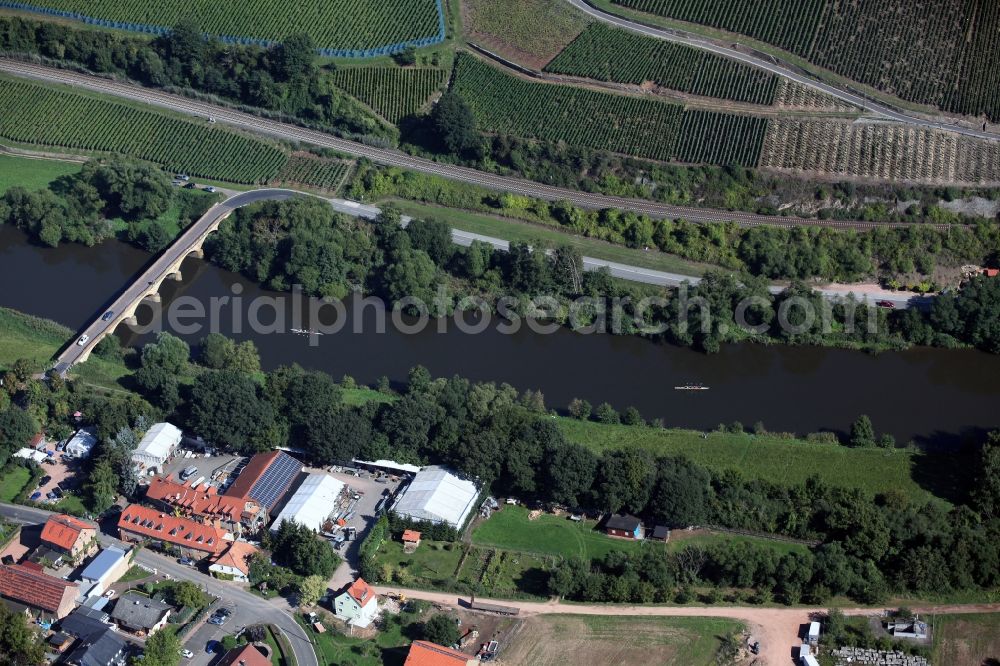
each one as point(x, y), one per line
point(175, 276)
point(197, 253)
point(132, 320)
point(155, 297)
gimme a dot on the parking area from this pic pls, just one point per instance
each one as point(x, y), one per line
point(212, 469)
point(59, 477)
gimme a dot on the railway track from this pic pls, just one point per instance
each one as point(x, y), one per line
point(289, 132)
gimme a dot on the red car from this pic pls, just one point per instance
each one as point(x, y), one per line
point(885, 304)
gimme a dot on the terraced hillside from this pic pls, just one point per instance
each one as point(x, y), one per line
point(638, 126)
point(610, 54)
point(333, 24)
point(941, 53)
point(34, 114)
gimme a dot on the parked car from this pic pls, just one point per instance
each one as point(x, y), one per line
point(110, 594)
point(35, 496)
point(182, 176)
point(885, 304)
point(57, 492)
point(107, 315)
point(83, 339)
point(210, 188)
point(187, 654)
point(45, 479)
point(211, 646)
point(186, 561)
point(51, 495)
point(190, 186)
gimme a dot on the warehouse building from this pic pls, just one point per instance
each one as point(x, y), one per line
point(437, 495)
point(156, 447)
point(312, 503)
point(266, 479)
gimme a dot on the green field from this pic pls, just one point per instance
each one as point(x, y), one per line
point(965, 639)
point(12, 482)
point(319, 172)
point(36, 339)
point(432, 565)
point(335, 24)
point(611, 54)
point(35, 114)
point(391, 92)
point(767, 457)
point(639, 126)
point(939, 53)
point(32, 174)
point(529, 32)
point(569, 640)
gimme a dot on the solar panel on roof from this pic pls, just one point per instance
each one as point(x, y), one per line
point(275, 480)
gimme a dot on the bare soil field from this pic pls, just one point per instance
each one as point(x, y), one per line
point(529, 32)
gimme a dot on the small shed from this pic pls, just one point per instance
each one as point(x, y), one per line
point(625, 526)
point(661, 533)
point(411, 539)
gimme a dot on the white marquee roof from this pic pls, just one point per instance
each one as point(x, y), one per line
point(159, 442)
point(437, 495)
point(312, 503)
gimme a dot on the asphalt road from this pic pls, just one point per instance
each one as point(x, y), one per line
point(248, 608)
point(696, 41)
point(390, 157)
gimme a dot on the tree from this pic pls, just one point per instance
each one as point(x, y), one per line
point(454, 123)
point(216, 350)
point(606, 413)
point(17, 427)
point(302, 551)
point(310, 589)
point(227, 411)
point(632, 417)
point(683, 492)
point(862, 432)
point(986, 494)
point(433, 237)
point(130, 190)
point(162, 649)
point(580, 409)
point(186, 593)
point(102, 486)
point(168, 352)
point(441, 629)
point(20, 645)
point(294, 57)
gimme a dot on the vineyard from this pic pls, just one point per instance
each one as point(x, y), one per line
point(636, 126)
point(792, 95)
point(879, 150)
point(392, 92)
point(720, 138)
point(33, 114)
point(611, 54)
point(939, 53)
point(507, 105)
point(333, 24)
point(319, 172)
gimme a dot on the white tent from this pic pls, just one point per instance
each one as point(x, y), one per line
point(31, 454)
point(437, 495)
point(312, 503)
point(159, 444)
point(82, 443)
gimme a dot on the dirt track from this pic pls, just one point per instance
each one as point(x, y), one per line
point(777, 629)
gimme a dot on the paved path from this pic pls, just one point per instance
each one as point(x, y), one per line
point(699, 42)
point(249, 607)
point(390, 157)
point(778, 629)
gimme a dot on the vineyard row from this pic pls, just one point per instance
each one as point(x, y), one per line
point(391, 92)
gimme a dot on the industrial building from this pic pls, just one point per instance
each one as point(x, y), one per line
point(439, 496)
point(313, 502)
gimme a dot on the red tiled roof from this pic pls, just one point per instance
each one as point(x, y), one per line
point(425, 653)
point(202, 502)
point(237, 556)
point(253, 471)
point(361, 592)
point(37, 439)
point(32, 588)
point(247, 655)
point(62, 531)
point(179, 531)
point(411, 535)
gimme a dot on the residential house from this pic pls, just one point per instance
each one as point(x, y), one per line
point(46, 558)
point(156, 447)
point(246, 655)
point(60, 641)
point(411, 539)
point(48, 595)
point(234, 562)
point(661, 533)
point(140, 614)
point(628, 527)
point(204, 505)
point(266, 480)
point(910, 627)
point(85, 621)
point(138, 524)
point(70, 536)
point(102, 648)
point(109, 565)
point(81, 443)
point(357, 605)
point(425, 653)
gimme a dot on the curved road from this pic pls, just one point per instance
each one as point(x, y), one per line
point(696, 41)
point(397, 158)
point(260, 610)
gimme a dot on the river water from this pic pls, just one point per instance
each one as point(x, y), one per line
point(921, 394)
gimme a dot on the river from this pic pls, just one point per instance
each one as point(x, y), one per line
point(921, 394)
